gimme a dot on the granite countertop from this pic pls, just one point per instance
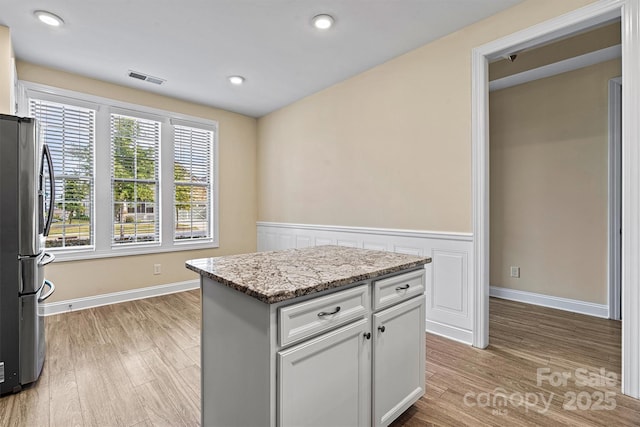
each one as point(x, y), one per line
point(281, 275)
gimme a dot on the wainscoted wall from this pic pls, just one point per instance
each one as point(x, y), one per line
point(449, 276)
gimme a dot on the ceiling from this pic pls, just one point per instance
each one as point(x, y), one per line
point(196, 44)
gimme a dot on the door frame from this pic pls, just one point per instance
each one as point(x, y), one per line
point(614, 201)
point(596, 13)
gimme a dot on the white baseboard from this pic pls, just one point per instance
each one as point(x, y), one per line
point(566, 304)
point(117, 297)
point(450, 332)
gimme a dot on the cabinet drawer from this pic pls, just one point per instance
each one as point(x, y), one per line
point(299, 321)
point(398, 288)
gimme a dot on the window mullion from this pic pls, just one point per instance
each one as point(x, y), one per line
point(167, 212)
point(103, 201)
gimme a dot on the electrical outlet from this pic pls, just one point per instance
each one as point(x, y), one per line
point(515, 272)
point(157, 268)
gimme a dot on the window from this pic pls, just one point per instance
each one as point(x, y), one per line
point(69, 131)
point(192, 183)
point(134, 179)
point(129, 179)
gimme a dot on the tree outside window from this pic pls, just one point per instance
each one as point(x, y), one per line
point(134, 147)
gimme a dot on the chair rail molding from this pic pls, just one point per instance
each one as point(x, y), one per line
point(448, 279)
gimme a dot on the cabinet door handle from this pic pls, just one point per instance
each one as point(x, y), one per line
point(329, 313)
point(382, 328)
point(402, 288)
point(367, 335)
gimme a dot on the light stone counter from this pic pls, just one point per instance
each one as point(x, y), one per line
point(282, 275)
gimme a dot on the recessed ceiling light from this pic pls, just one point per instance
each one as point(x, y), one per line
point(322, 22)
point(49, 18)
point(236, 80)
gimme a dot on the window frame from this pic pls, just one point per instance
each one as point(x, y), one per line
point(157, 182)
point(88, 106)
point(212, 191)
point(102, 215)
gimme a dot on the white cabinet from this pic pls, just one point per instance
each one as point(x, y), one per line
point(398, 359)
point(365, 373)
point(315, 360)
point(325, 381)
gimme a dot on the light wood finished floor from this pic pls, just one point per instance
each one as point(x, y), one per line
point(137, 364)
point(522, 339)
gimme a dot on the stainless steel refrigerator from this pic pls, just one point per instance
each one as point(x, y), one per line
point(26, 210)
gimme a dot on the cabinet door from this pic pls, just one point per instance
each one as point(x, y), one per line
point(326, 381)
point(398, 359)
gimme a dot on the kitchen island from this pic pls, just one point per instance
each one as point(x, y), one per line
point(320, 336)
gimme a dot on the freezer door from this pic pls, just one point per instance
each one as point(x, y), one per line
point(29, 158)
point(32, 341)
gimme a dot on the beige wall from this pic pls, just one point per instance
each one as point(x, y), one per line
point(390, 147)
point(548, 191)
point(237, 186)
point(6, 71)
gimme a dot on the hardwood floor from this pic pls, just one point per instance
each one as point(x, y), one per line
point(575, 354)
point(137, 364)
point(130, 364)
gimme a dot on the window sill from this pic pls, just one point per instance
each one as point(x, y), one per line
point(88, 254)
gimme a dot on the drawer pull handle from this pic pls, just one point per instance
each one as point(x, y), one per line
point(382, 328)
point(367, 335)
point(402, 288)
point(324, 313)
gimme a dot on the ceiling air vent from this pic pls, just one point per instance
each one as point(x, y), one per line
point(146, 77)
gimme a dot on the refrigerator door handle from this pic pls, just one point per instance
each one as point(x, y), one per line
point(52, 289)
point(52, 188)
point(47, 258)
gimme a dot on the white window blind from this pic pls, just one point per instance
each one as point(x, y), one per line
point(69, 131)
point(192, 172)
point(135, 150)
point(126, 175)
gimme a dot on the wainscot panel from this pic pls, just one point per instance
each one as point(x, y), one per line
point(449, 290)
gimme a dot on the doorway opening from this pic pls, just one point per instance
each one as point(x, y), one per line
point(552, 192)
point(587, 17)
